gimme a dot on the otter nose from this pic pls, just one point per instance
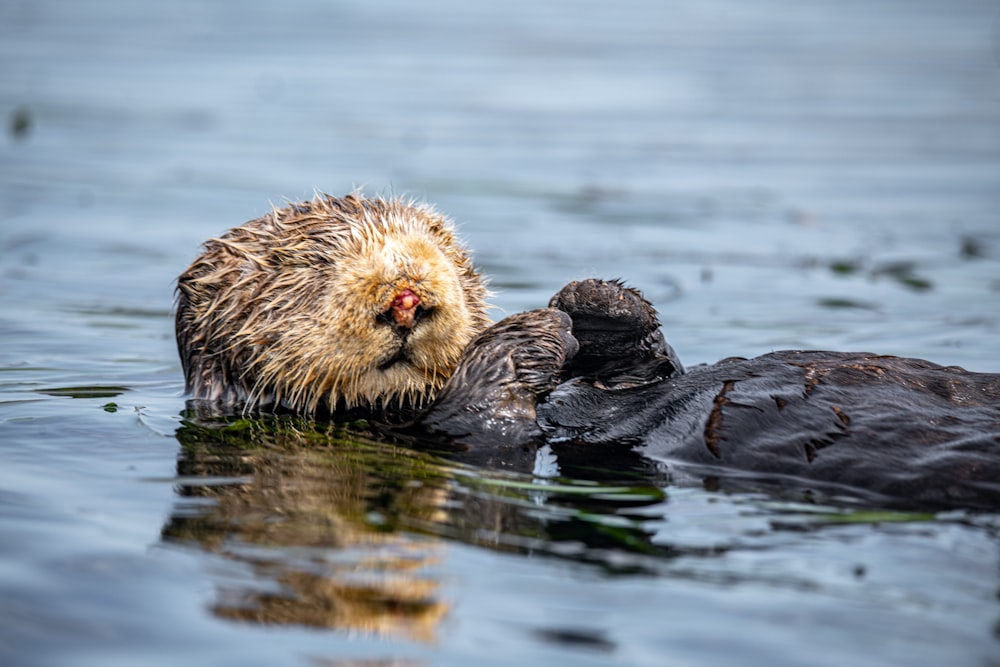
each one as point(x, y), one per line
point(404, 309)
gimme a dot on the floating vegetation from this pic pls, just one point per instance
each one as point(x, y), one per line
point(843, 302)
point(972, 248)
point(796, 516)
point(19, 126)
point(573, 488)
point(94, 391)
point(903, 272)
point(878, 516)
point(845, 267)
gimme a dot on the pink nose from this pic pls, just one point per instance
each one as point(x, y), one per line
point(404, 306)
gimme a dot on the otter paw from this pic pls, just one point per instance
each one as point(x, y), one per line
point(491, 397)
point(606, 306)
point(618, 332)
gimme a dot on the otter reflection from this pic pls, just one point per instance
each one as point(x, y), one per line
point(311, 521)
point(341, 531)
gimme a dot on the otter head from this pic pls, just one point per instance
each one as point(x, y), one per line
point(335, 303)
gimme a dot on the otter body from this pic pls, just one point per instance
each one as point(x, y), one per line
point(896, 427)
point(329, 306)
point(901, 430)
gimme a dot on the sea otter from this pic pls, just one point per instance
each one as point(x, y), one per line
point(357, 306)
point(329, 306)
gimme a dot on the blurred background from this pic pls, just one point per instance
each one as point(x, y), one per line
point(772, 174)
point(791, 174)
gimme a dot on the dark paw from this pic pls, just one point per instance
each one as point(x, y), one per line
point(618, 331)
point(491, 397)
point(606, 306)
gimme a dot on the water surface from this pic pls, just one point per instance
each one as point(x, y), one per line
point(791, 175)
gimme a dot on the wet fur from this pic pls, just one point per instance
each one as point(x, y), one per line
point(286, 310)
point(906, 430)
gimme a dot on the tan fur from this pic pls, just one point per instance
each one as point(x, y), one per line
point(287, 309)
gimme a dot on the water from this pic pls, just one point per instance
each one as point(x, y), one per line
point(786, 175)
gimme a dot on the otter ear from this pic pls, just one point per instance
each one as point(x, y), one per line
point(618, 332)
point(490, 399)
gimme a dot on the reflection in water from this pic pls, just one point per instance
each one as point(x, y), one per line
point(341, 531)
point(303, 511)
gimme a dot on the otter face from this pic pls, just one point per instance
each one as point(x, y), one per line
point(349, 302)
point(401, 314)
